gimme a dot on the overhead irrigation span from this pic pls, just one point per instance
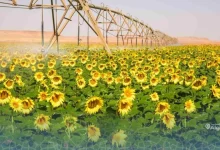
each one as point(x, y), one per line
point(102, 20)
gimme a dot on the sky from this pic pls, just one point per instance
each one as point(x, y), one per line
point(177, 18)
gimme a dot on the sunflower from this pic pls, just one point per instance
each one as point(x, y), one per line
point(5, 96)
point(189, 79)
point(3, 64)
point(40, 66)
point(40, 57)
point(141, 77)
point(50, 64)
point(43, 96)
point(93, 82)
point(79, 71)
point(15, 104)
point(169, 120)
point(154, 96)
point(18, 80)
point(56, 80)
point(89, 67)
point(2, 76)
point(12, 68)
point(27, 105)
point(81, 83)
point(190, 106)
point(204, 80)
point(33, 68)
point(154, 81)
point(33, 61)
point(72, 63)
point(162, 107)
point(39, 76)
point(51, 73)
point(56, 98)
point(70, 123)
point(118, 80)
point(197, 84)
point(128, 93)
point(9, 84)
point(96, 75)
point(215, 91)
point(126, 81)
point(175, 78)
point(109, 80)
point(42, 122)
point(93, 133)
point(93, 105)
point(124, 106)
point(102, 67)
point(119, 138)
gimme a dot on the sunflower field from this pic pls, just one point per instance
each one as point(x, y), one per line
point(166, 98)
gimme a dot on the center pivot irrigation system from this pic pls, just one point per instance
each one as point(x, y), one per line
point(102, 20)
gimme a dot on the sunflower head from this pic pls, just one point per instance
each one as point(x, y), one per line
point(93, 82)
point(141, 77)
point(51, 73)
point(93, 133)
point(81, 83)
point(42, 122)
point(126, 81)
point(154, 81)
point(118, 138)
point(128, 93)
point(56, 98)
point(27, 105)
point(70, 123)
point(43, 96)
point(162, 107)
point(190, 106)
point(40, 66)
point(2, 76)
point(9, 84)
point(93, 105)
point(124, 106)
point(169, 120)
point(56, 80)
point(15, 104)
point(39, 76)
point(154, 96)
point(5, 96)
point(197, 84)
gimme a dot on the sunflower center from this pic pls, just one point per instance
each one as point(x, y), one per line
point(26, 105)
point(128, 93)
point(56, 79)
point(43, 96)
point(15, 105)
point(197, 83)
point(162, 107)
point(124, 105)
point(4, 95)
point(141, 76)
point(39, 76)
point(1, 76)
point(153, 80)
point(93, 81)
point(92, 131)
point(93, 104)
point(127, 80)
point(41, 120)
point(56, 97)
point(9, 83)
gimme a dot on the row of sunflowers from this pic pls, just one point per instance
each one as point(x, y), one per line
point(173, 90)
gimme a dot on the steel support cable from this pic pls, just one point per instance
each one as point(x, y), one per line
point(110, 20)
